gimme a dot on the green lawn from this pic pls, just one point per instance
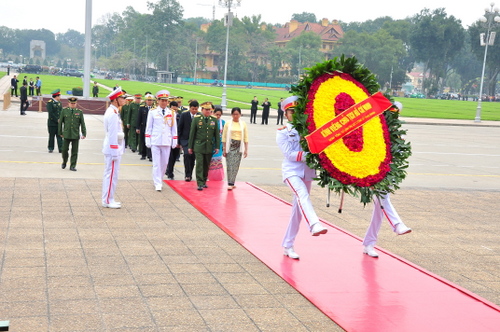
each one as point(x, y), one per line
point(241, 97)
point(448, 109)
point(52, 82)
point(2, 73)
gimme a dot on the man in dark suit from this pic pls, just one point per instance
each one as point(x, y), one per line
point(175, 152)
point(253, 109)
point(183, 130)
point(13, 85)
point(142, 119)
point(24, 98)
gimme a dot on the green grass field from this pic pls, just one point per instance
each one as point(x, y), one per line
point(2, 74)
point(241, 97)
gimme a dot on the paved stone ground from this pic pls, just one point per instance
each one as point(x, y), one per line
point(157, 264)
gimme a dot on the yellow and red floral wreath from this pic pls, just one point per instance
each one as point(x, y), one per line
point(362, 157)
point(371, 160)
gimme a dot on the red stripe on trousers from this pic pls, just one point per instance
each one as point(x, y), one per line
point(110, 180)
point(298, 201)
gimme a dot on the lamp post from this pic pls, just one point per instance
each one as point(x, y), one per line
point(489, 19)
point(195, 60)
point(134, 57)
point(228, 22)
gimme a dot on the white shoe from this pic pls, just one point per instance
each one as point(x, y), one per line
point(368, 250)
point(318, 229)
point(158, 188)
point(402, 229)
point(290, 253)
point(112, 205)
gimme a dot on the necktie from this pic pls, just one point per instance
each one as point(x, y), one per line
point(206, 119)
point(163, 111)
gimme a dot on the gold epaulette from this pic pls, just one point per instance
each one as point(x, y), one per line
point(197, 116)
point(50, 100)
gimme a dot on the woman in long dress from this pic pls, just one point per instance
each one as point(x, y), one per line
point(216, 170)
point(234, 145)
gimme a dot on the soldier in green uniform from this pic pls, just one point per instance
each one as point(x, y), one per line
point(70, 123)
point(54, 108)
point(133, 137)
point(204, 140)
point(124, 116)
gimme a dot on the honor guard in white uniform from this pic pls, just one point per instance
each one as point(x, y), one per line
point(383, 207)
point(298, 176)
point(161, 136)
point(112, 147)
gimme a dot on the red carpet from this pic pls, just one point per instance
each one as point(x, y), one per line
point(358, 292)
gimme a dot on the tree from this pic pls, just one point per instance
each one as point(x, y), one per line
point(72, 38)
point(165, 27)
point(492, 60)
point(304, 17)
point(379, 51)
point(303, 52)
point(436, 40)
point(468, 66)
point(370, 26)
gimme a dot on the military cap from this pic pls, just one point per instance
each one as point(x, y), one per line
point(129, 97)
point(56, 92)
point(149, 97)
point(163, 94)
point(116, 93)
point(72, 99)
point(290, 102)
point(138, 95)
point(207, 105)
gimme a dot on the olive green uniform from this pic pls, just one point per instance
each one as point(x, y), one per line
point(54, 109)
point(124, 116)
point(70, 122)
point(133, 137)
point(204, 136)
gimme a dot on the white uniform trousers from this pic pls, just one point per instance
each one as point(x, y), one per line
point(301, 207)
point(110, 178)
point(378, 214)
point(160, 155)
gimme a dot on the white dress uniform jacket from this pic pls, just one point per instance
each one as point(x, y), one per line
point(288, 140)
point(298, 176)
point(114, 143)
point(112, 147)
point(161, 129)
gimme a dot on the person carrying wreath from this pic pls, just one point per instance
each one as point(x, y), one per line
point(298, 176)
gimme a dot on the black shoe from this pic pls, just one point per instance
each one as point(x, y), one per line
point(205, 186)
point(143, 158)
point(170, 177)
point(50, 151)
point(188, 178)
point(200, 188)
point(63, 165)
point(72, 169)
point(133, 150)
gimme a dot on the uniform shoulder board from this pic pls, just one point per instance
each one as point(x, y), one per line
point(197, 116)
point(284, 127)
point(50, 101)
